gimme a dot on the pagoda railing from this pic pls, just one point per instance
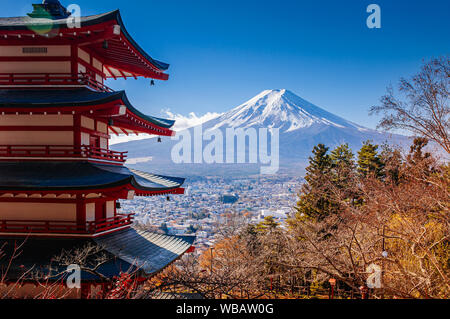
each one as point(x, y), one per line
point(69, 228)
point(70, 151)
point(52, 79)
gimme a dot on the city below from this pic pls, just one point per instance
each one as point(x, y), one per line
point(209, 201)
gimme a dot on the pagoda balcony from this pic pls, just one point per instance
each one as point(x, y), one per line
point(51, 80)
point(61, 152)
point(66, 228)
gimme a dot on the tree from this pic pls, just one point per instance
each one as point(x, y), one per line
point(267, 224)
point(416, 153)
point(423, 105)
point(319, 164)
point(393, 162)
point(369, 162)
point(311, 204)
point(342, 163)
point(342, 156)
point(408, 219)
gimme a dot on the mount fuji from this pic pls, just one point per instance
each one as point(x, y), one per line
point(301, 124)
point(279, 109)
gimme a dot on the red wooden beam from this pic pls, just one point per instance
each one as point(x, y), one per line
point(95, 133)
point(175, 191)
point(152, 129)
point(120, 71)
point(124, 131)
point(140, 71)
point(115, 110)
point(91, 68)
point(110, 72)
point(61, 110)
point(120, 191)
point(114, 131)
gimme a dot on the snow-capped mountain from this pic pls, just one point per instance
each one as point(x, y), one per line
point(280, 109)
point(301, 124)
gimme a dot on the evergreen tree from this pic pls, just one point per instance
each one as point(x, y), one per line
point(416, 154)
point(319, 164)
point(342, 163)
point(268, 223)
point(314, 200)
point(393, 161)
point(342, 156)
point(369, 161)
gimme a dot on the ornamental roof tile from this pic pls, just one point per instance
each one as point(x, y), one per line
point(25, 23)
point(59, 98)
point(71, 176)
point(128, 250)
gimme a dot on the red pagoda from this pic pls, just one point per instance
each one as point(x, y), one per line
point(60, 183)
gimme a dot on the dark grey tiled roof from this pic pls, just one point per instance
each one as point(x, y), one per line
point(24, 23)
point(59, 98)
point(125, 251)
point(150, 252)
point(161, 295)
point(62, 176)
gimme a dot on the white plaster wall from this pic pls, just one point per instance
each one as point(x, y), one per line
point(36, 138)
point(97, 64)
point(38, 212)
point(110, 209)
point(90, 212)
point(36, 67)
point(36, 120)
point(103, 143)
point(83, 55)
point(102, 127)
point(98, 78)
point(87, 123)
point(81, 68)
point(52, 50)
point(85, 139)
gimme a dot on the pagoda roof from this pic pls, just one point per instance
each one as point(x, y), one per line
point(83, 177)
point(129, 250)
point(123, 52)
point(84, 100)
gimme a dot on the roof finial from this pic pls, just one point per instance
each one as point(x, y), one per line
point(50, 9)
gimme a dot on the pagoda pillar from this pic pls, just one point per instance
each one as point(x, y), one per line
point(81, 211)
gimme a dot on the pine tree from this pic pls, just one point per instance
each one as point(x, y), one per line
point(342, 156)
point(268, 223)
point(369, 161)
point(314, 200)
point(416, 154)
point(319, 164)
point(342, 163)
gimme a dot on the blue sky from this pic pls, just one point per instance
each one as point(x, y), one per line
point(224, 52)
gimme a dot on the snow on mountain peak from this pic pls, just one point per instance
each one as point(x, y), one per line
point(280, 109)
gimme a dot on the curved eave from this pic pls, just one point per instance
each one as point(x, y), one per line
point(134, 251)
point(146, 251)
point(24, 25)
point(141, 121)
point(85, 100)
point(160, 65)
point(141, 180)
point(83, 178)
